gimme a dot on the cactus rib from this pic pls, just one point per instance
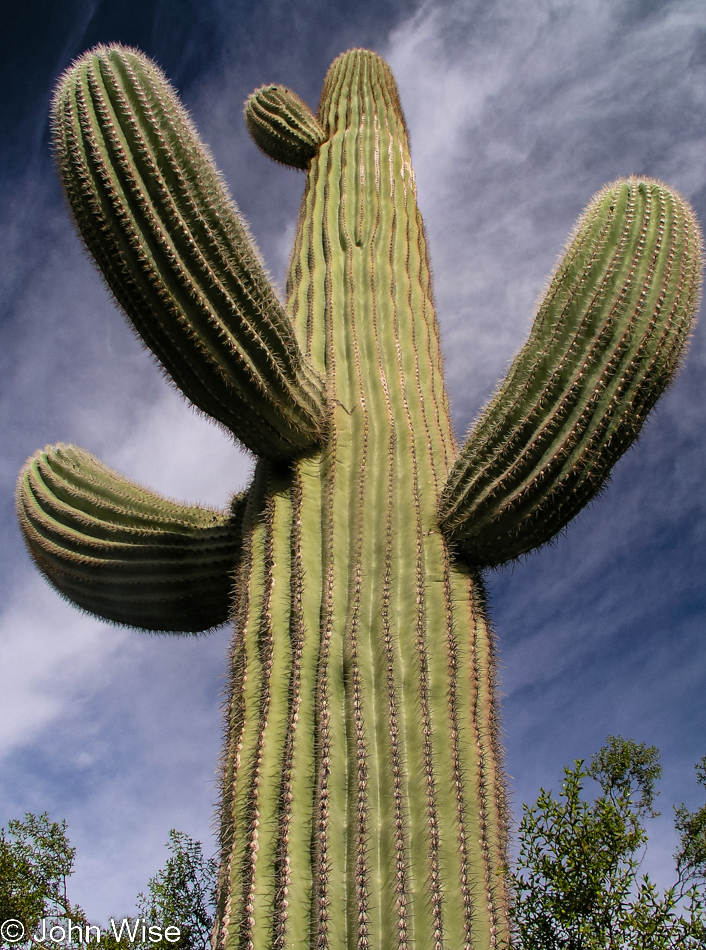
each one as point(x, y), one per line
point(123, 553)
point(606, 342)
point(153, 211)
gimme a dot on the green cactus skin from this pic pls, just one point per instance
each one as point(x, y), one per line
point(283, 126)
point(155, 215)
point(125, 553)
point(363, 804)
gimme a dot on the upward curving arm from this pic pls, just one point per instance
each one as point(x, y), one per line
point(605, 344)
point(154, 213)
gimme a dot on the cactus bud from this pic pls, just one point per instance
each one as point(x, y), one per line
point(283, 126)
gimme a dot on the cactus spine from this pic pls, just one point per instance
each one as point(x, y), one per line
point(362, 797)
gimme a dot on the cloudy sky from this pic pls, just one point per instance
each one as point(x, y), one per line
point(519, 110)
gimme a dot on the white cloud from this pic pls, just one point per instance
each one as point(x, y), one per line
point(49, 653)
point(176, 451)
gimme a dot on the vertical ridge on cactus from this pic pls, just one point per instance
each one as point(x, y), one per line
point(362, 797)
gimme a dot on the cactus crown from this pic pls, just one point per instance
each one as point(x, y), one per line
point(362, 803)
point(354, 78)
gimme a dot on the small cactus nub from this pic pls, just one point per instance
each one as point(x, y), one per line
point(283, 126)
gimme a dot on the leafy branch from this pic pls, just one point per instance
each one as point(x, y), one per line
point(576, 884)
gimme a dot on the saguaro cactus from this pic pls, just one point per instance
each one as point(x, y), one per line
point(362, 796)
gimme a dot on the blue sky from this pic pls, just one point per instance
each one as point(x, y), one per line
point(519, 110)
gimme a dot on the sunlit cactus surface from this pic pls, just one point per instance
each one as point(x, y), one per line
point(363, 803)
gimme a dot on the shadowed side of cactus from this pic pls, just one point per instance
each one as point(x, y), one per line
point(363, 804)
point(122, 552)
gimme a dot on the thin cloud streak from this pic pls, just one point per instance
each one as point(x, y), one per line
point(519, 113)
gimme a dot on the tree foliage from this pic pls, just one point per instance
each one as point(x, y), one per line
point(183, 892)
point(36, 858)
point(576, 884)
point(691, 856)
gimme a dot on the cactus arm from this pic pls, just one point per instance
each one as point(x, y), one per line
point(605, 344)
point(124, 553)
point(153, 211)
point(282, 126)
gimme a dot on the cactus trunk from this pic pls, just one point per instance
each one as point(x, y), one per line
point(362, 801)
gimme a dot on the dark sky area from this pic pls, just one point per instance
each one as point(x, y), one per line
point(519, 111)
